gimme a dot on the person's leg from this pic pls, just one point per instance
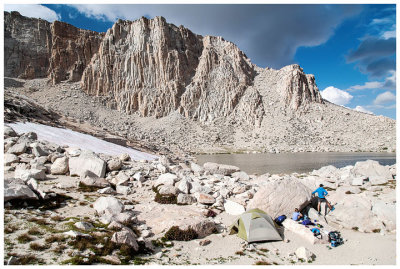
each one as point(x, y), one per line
point(319, 206)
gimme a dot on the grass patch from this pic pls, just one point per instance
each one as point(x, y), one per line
point(355, 228)
point(38, 221)
point(34, 231)
point(93, 259)
point(10, 229)
point(240, 253)
point(51, 203)
point(174, 233)
point(85, 188)
point(24, 238)
point(27, 259)
point(262, 263)
point(38, 247)
point(164, 198)
point(348, 192)
point(57, 218)
point(376, 230)
point(56, 238)
point(264, 250)
point(60, 249)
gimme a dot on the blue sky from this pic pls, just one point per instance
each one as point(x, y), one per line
point(351, 49)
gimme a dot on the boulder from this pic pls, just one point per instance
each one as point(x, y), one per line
point(95, 182)
point(10, 158)
point(166, 179)
point(385, 212)
point(120, 179)
point(123, 189)
point(32, 183)
point(108, 204)
point(301, 231)
point(358, 181)
point(304, 254)
point(24, 174)
point(376, 173)
point(184, 186)
point(85, 226)
point(59, 166)
point(197, 169)
point(87, 161)
point(281, 197)
point(186, 199)
point(39, 150)
point(114, 165)
point(204, 198)
point(17, 189)
point(168, 189)
point(9, 132)
point(233, 208)
point(222, 169)
point(124, 157)
point(138, 176)
point(126, 236)
point(241, 175)
point(353, 211)
point(107, 190)
point(17, 149)
point(160, 218)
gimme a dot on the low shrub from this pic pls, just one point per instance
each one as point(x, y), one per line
point(174, 233)
point(24, 238)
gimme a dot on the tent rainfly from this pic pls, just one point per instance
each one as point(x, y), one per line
point(255, 225)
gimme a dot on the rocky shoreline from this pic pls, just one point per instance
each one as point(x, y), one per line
point(77, 207)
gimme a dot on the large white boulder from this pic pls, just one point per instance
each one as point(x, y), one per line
point(87, 161)
point(114, 164)
point(105, 205)
point(353, 211)
point(281, 197)
point(10, 158)
point(126, 236)
point(233, 208)
point(166, 179)
point(17, 189)
point(60, 166)
point(18, 148)
point(377, 174)
point(25, 174)
point(385, 212)
point(304, 254)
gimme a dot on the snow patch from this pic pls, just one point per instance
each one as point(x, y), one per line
point(75, 139)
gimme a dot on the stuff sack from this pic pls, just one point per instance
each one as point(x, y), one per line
point(316, 233)
point(280, 219)
point(307, 222)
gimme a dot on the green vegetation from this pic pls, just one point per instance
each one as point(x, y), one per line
point(24, 238)
point(376, 230)
point(164, 198)
point(262, 263)
point(38, 247)
point(174, 233)
point(27, 259)
point(34, 231)
point(355, 228)
point(85, 188)
point(56, 238)
point(240, 253)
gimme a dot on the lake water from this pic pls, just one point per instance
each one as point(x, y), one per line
point(303, 162)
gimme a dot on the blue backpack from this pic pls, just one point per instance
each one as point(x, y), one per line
point(280, 219)
point(307, 222)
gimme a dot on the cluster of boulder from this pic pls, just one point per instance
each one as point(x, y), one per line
point(364, 193)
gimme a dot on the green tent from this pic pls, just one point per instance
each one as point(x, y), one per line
point(255, 225)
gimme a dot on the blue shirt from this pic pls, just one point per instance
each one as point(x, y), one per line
point(321, 192)
point(295, 215)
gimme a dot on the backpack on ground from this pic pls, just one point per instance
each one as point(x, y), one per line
point(335, 238)
point(280, 219)
point(307, 222)
point(316, 233)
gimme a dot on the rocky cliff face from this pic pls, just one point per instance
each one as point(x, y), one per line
point(27, 43)
point(71, 51)
point(152, 68)
point(34, 48)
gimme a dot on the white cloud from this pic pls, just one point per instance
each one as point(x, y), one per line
point(389, 34)
point(367, 85)
point(336, 96)
point(384, 98)
point(361, 109)
point(35, 11)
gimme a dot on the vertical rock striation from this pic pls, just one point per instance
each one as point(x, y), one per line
point(27, 43)
point(71, 51)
